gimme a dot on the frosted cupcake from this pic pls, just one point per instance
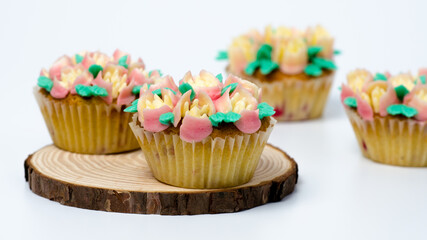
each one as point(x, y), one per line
point(388, 115)
point(294, 68)
point(82, 98)
point(202, 133)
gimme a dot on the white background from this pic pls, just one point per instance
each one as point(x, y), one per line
point(339, 195)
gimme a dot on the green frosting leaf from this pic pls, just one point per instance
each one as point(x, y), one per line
point(351, 102)
point(122, 61)
point(324, 63)
point(219, 76)
point(313, 51)
point(89, 91)
point(400, 109)
point(95, 69)
point(79, 58)
point(157, 92)
point(135, 102)
point(313, 70)
point(264, 52)
point(222, 55)
point(166, 118)
point(232, 87)
point(380, 77)
point(401, 92)
point(45, 82)
point(183, 88)
point(423, 79)
point(251, 67)
point(265, 110)
point(268, 66)
point(217, 118)
point(136, 89)
point(133, 108)
point(231, 117)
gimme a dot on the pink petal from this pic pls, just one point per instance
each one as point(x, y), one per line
point(151, 118)
point(137, 76)
point(118, 54)
point(155, 74)
point(421, 106)
point(177, 109)
point(87, 61)
point(58, 91)
point(249, 121)
point(55, 70)
point(98, 81)
point(125, 96)
point(364, 109)
point(346, 91)
point(387, 99)
point(223, 104)
point(195, 129)
point(166, 82)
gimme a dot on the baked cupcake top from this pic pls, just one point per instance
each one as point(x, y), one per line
point(200, 105)
point(116, 79)
point(384, 95)
point(282, 49)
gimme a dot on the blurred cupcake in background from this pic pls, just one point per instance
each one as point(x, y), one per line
point(294, 68)
point(204, 133)
point(389, 115)
point(82, 98)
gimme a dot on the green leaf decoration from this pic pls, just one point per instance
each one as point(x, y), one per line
point(183, 88)
point(136, 89)
point(132, 108)
point(324, 63)
point(423, 79)
point(217, 118)
point(122, 61)
point(263, 61)
point(351, 102)
point(268, 66)
point(232, 87)
point(219, 76)
point(265, 110)
point(99, 91)
point(380, 77)
point(251, 67)
point(151, 72)
point(95, 69)
point(135, 102)
point(166, 118)
point(313, 51)
point(91, 91)
point(222, 55)
point(79, 58)
point(313, 70)
point(157, 92)
point(231, 117)
point(400, 109)
point(401, 92)
point(45, 82)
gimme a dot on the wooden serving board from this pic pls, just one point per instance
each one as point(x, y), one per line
point(124, 183)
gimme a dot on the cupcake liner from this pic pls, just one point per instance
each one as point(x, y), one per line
point(295, 99)
point(390, 140)
point(87, 127)
point(212, 163)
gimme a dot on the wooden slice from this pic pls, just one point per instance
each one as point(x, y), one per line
point(124, 183)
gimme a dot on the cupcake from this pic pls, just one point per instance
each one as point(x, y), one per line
point(295, 69)
point(82, 99)
point(202, 133)
point(388, 115)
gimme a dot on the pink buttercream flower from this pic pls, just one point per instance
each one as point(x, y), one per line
point(293, 56)
point(84, 79)
point(364, 108)
point(249, 121)
point(251, 87)
point(58, 91)
point(150, 108)
point(164, 82)
point(118, 54)
point(206, 82)
point(55, 70)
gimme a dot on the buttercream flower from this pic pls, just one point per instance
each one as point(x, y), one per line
point(117, 76)
point(206, 82)
point(150, 108)
point(318, 36)
point(404, 79)
point(163, 82)
point(357, 79)
point(293, 56)
point(56, 68)
point(240, 53)
point(381, 95)
point(251, 87)
point(417, 99)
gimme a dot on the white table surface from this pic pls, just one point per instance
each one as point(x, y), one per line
point(339, 195)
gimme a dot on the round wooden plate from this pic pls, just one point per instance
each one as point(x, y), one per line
point(124, 183)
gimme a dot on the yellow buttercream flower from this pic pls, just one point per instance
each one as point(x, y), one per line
point(404, 79)
point(69, 75)
point(357, 78)
point(318, 36)
point(118, 79)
